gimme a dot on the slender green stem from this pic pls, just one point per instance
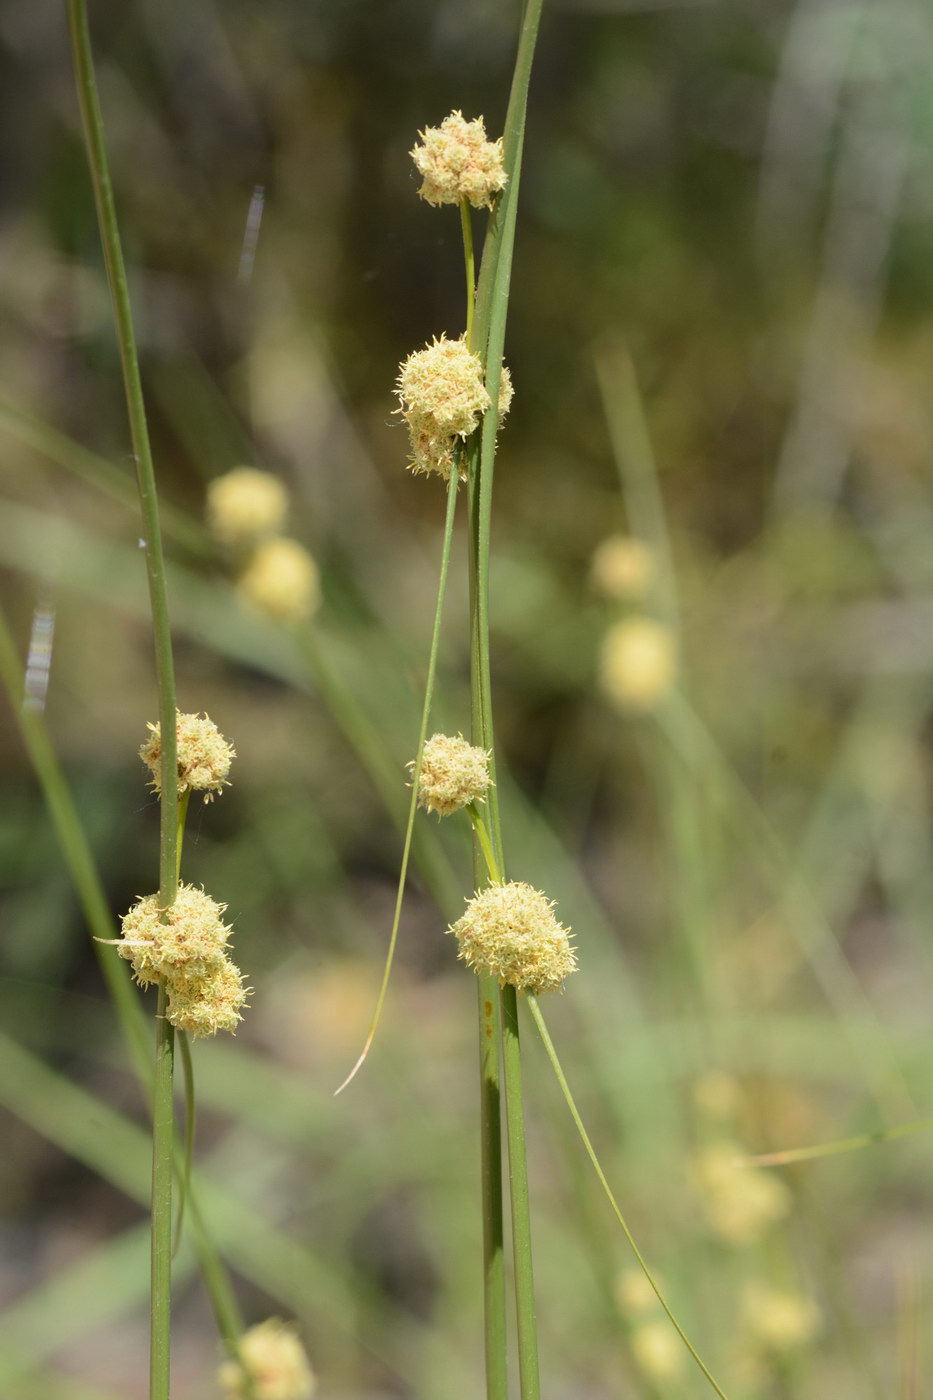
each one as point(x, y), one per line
point(78, 855)
point(466, 225)
point(163, 1142)
point(833, 1149)
point(180, 831)
point(184, 1184)
point(416, 769)
point(551, 1053)
point(518, 1195)
point(145, 474)
point(485, 844)
point(163, 1130)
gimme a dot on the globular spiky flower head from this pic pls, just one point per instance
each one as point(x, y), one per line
point(779, 1321)
point(457, 163)
point(443, 397)
point(204, 1005)
point(204, 755)
point(657, 1350)
point(740, 1203)
point(190, 941)
point(453, 774)
point(276, 1364)
point(245, 505)
point(509, 932)
point(282, 581)
point(622, 568)
point(638, 663)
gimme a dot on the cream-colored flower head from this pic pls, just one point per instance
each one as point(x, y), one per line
point(657, 1350)
point(779, 1321)
point(204, 1005)
point(638, 663)
point(276, 1363)
point(204, 755)
point(442, 398)
point(453, 774)
point(622, 568)
point(458, 163)
point(717, 1095)
point(191, 941)
point(633, 1294)
point(282, 581)
point(740, 1203)
point(509, 932)
point(244, 506)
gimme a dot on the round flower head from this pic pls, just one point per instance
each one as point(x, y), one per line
point(509, 932)
point(204, 755)
point(453, 774)
point(622, 568)
point(191, 941)
point(657, 1350)
point(458, 163)
point(245, 505)
point(275, 1362)
point(282, 581)
point(779, 1321)
point(204, 1005)
point(638, 663)
point(740, 1203)
point(442, 398)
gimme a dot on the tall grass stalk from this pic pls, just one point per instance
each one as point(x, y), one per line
point(163, 1127)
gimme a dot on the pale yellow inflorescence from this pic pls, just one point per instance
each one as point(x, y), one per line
point(458, 162)
point(453, 774)
point(622, 568)
point(778, 1320)
point(276, 1363)
point(509, 932)
point(187, 951)
point(204, 755)
point(740, 1203)
point(633, 1293)
point(657, 1350)
point(282, 581)
point(638, 663)
point(245, 505)
point(442, 398)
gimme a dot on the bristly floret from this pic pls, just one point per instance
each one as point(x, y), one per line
point(208, 1004)
point(190, 940)
point(453, 774)
point(204, 755)
point(509, 932)
point(443, 397)
point(275, 1363)
point(457, 163)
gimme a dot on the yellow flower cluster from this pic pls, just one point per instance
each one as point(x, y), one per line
point(458, 163)
point(453, 774)
point(246, 510)
point(443, 397)
point(638, 663)
point(657, 1350)
point(204, 755)
point(740, 1203)
point(622, 568)
point(777, 1319)
point(185, 947)
point(510, 932)
point(275, 1363)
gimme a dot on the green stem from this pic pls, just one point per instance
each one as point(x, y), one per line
point(163, 1131)
point(551, 1053)
point(187, 1151)
point(485, 844)
point(78, 855)
point(518, 1195)
point(163, 1143)
point(832, 1149)
point(416, 771)
point(466, 225)
point(180, 831)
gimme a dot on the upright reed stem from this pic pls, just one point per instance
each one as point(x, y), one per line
point(162, 1115)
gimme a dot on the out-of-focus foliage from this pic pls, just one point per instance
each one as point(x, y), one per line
point(723, 268)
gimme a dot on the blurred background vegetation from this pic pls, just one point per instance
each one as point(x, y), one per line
point(721, 342)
